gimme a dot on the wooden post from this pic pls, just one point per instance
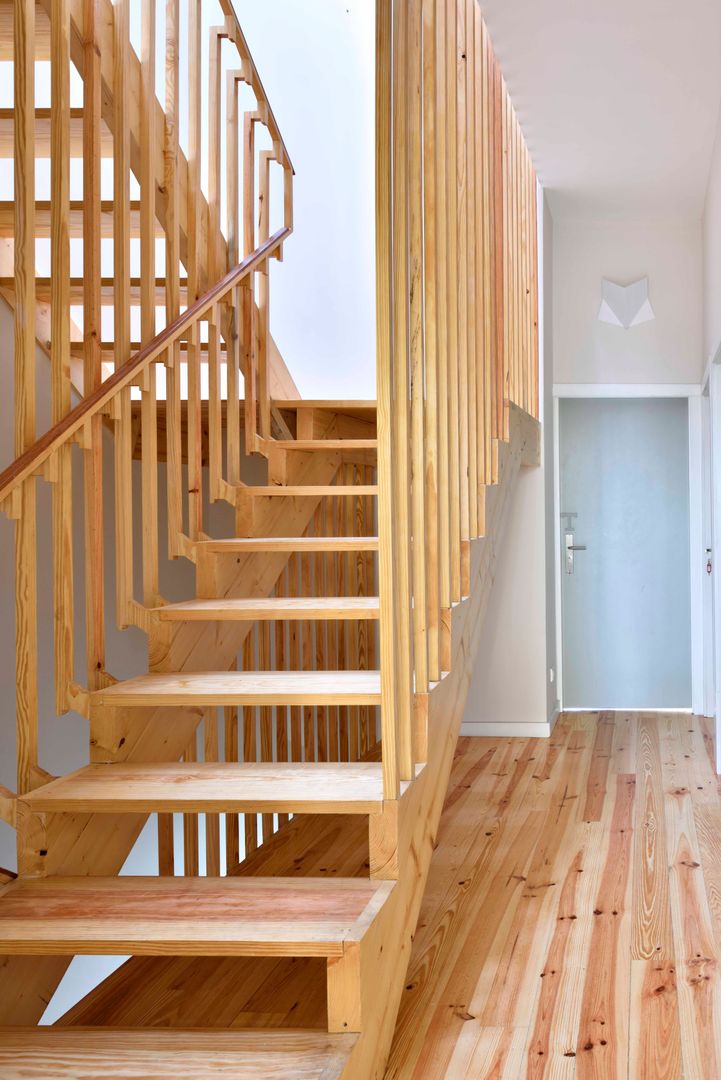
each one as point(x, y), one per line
point(195, 285)
point(454, 467)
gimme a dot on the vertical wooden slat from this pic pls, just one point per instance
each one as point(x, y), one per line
point(174, 478)
point(534, 296)
point(121, 312)
point(461, 72)
point(384, 394)
point(249, 327)
point(233, 228)
point(232, 830)
point(498, 237)
point(190, 823)
point(215, 413)
point(488, 256)
point(471, 203)
point(212, 821)
point(452, 297)
point(400, 521)
point(479, 96)
point(149, 423)
point(166, 845)
point(266, 716)
point(195, 285)
point(441, 227)
point(250, 821)
point(92, 455)
point(416, 344)
point(264, 299)
point(60, 354)
point(26, 669)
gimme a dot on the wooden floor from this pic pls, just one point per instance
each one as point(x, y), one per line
point(571, 925)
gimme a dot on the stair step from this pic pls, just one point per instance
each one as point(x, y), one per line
point(214, 787)
point(76, 220)
point(76, 1053)
point(316, 492)
point(185, 916)
point(246, 545)
point(76, 293)
point(272, 607)
point(244, 688)
point(42, 134)
point(310, 445)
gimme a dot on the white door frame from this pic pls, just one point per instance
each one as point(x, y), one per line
point(691, 391)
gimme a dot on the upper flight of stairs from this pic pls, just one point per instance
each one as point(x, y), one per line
point(287, 733)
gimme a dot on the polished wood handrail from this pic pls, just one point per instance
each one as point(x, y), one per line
point(29, 462)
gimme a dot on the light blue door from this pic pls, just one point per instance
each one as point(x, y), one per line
point(625, 553)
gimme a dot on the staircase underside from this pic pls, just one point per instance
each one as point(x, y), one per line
point(273, 992)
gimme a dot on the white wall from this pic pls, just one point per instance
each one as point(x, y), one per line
point(667, 350)
point(317, 62)
point(511, 691)
point(712, 256)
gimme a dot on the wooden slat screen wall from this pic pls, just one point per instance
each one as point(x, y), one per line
point(457, 304)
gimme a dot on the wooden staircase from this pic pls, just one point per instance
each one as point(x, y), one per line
point(292, 728)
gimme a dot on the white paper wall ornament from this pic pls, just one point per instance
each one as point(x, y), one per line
point(625, 305)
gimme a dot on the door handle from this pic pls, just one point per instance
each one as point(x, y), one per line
point(570, 548)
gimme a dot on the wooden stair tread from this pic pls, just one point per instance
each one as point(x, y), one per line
point(272, 607)
point(242, 545)
point(244, 688)
point(185, 916)
point(316, 491)
point(310, 445)
point(77, 1053)
point(215, 787)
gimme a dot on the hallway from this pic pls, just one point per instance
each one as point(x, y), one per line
point(571, 925)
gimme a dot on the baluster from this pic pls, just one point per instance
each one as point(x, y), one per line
point(321, 636)
point(121, 314)
point(194, 425)
point(400, 522)
point(92, 360)
point(430, 282)
point(390, 718)
point(416, 345)
point(234, 310)
point(166, 846)
point(441, 306)
point(190, 821)
point(534, 297)
point(232, 831)
point(215, 417)
point(60, 357)
point(26, 662)
point(488, 276)
point(452, 297)
point(250, 821)
point(173, 454)
point(471, 204)
point(264, 298)
point(462, 255)
point(281, 711)
point(212, 821)
point(266, 716)
point(248, 308)
point(330, 566)
point(149, 422)
point(498, 231)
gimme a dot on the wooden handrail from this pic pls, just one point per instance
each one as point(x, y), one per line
point(241, 45)
point(30, 461)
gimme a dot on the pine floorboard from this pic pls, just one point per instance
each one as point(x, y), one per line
point(571, 925)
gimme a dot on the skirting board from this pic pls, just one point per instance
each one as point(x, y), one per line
point(514, 730)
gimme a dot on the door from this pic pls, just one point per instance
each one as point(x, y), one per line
point(625, 553)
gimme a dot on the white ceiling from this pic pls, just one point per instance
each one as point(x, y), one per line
point(618, 100)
